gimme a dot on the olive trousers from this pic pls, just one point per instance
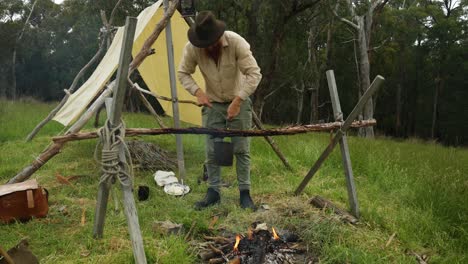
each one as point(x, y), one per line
point(215, 117)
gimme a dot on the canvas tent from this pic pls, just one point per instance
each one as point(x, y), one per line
point(154, 69)
point(76, 109)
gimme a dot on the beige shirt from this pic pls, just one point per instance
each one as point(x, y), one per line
point(237, 73)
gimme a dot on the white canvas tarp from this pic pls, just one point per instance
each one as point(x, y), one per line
point(154, 70)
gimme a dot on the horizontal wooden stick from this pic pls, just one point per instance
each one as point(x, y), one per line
point(221, 132)
point(164, 98)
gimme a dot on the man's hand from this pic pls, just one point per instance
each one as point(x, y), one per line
point(234, 108)
point(202, 98)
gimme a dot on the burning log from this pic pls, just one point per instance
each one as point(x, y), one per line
point(211, 251)
point(207, 255)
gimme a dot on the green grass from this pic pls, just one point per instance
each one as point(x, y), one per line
point(414, 189)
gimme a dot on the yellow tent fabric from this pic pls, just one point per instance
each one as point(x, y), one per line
point(154, 69)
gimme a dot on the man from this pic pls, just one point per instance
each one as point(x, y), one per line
point(231, 75)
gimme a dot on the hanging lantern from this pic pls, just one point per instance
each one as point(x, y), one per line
point(187, 8)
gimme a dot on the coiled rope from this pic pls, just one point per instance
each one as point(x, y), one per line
point(112, 140)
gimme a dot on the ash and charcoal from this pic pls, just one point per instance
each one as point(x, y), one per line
point(148, 156)
point(258, 246)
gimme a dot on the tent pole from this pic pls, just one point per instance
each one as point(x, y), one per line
point(175, 104)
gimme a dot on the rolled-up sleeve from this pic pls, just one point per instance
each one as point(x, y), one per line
point(187, 67)
point(248, 67)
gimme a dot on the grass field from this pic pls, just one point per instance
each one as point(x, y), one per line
point(414, 189)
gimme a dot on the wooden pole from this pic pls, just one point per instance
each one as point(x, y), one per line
point(175, 103)
point(6, 256)
point(270, 141)
point(115, 120)
point(84, 118)
point(346, 125)
point(352, 194)
point(130, 132)
point(114, 117)
point(146, 50)
point(103, 192)
point(149, 106)
point(378, 81)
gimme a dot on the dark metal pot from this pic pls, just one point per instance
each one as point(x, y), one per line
point(224, 152)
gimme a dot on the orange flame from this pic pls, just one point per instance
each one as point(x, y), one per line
point(238, 238)
point(275, 235)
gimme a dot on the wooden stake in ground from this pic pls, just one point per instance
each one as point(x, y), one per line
point(335, 99)
point(115, 166)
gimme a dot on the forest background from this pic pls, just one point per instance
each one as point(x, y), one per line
point(419, 46)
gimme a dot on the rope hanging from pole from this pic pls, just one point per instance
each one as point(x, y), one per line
point(113, 168)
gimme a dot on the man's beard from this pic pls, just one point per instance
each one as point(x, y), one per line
point(214, 52)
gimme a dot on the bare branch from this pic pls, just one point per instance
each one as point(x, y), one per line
point(344, 20)
point(297, 9)
point(148, 104)
point(111, 19)
point(26, 22)
point(381, 45)
point(349, 23)
point(146, 49)
point(358, 77)
point(378, 5)
point(348, 41)
point(323, 104)
point(271, 93)
point(298, 90)
point(104, 18)
point(138, 88)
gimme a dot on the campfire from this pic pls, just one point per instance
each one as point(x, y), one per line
point(259, 245)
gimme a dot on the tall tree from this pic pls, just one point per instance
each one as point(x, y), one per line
point(11, 12)
point(13, 61)
point(283, 13)
point(361, 23)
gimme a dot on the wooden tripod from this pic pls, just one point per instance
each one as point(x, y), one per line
point(340, 137)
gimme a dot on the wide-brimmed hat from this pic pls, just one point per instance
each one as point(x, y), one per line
point(206, 30)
